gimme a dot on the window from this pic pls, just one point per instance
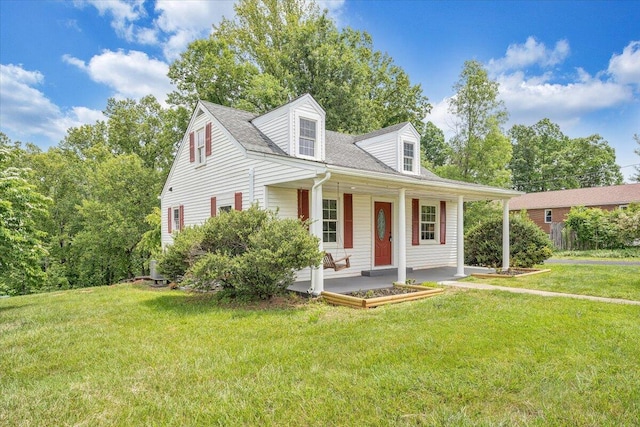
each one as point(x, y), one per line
point(408, 157)
point(427, 222)
point(307, 142)
point(225, 209)
point(200, 153)
point(176, 219)
point(623, 207)
point(329, 220)
point(547, 216)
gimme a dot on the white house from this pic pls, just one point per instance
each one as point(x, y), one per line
point(366, 195)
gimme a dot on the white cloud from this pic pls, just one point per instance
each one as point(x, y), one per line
point(530, 53)
point(130, 75)
point(26, 113)
point(625, 68)
point(123, 14)
point(441, 117)
point(530, 100)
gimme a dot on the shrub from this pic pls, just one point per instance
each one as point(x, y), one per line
point(250, 252)
point(601, 229)
point(528, 244)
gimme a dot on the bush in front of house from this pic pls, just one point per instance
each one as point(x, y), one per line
point(528, 244)
point(251, 253)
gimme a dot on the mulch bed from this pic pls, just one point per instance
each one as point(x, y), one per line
point(374, 293)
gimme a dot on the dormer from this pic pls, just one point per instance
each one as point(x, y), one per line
point(298, 128)
point(397, 146)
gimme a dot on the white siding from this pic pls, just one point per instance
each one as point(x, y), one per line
point(277, 128)
point(384, 148)
point(225, 172)
point(428, 254)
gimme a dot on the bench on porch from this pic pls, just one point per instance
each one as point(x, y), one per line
point(337, 264)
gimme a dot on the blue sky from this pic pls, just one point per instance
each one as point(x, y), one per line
point(577, 63)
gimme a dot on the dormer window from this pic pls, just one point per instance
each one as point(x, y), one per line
point(408, 157)
point(307, 141)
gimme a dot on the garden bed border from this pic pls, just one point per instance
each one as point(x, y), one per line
point(530, 272)
point(356, 302)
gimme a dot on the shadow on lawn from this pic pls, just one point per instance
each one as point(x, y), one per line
point(209, 303)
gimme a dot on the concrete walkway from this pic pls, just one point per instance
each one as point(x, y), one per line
point(482, 286)
point(590, 261)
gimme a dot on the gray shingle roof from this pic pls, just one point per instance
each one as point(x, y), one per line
point(340, 149)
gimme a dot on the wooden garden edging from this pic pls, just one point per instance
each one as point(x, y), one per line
point(356, 302)
point(530, 272)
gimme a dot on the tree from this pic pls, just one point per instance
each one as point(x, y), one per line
point(21, 241)
point(636, 137)
point(480, 152)
point(434, 148)
point(276, 50)
point(591, 162)
point(545, 159)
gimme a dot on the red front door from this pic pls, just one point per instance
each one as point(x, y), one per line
point(382, 233)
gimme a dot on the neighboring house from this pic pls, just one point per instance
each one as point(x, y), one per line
point(365, 195)
point(551, 207)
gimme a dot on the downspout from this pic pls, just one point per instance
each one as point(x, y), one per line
point(317, 273)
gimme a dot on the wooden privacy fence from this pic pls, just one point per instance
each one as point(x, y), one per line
point(566, 239)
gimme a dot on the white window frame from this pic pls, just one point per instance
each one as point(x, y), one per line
point(327, 220)
point(548, 213)
point(201, 157)
point(408, 161)
point(175, 220)
point(435, 222)
point(314, 140)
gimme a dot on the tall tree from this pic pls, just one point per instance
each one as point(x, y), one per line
point(276, 50)
point(538, 162)
point(434, 148)
point(591, 163)
point(480, 152)
point(22, 242)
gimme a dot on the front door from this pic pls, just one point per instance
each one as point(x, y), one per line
point(382, 233)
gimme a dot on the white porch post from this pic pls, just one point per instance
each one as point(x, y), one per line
point(505, 234)
point(402, 237)
point(317, 273)
point(460, 238)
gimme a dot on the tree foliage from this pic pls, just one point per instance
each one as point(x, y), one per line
point(480, 151)
point(604, 229)
point(529, 245)
point(22, 241)
point(276, 50)
point(250, 252)
point(545, 159)
point(435, 150)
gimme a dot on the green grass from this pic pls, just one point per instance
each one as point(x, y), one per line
point(612, 281)
point(627, 254)
point(128, 355)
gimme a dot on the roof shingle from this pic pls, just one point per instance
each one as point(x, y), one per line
point(595, 196)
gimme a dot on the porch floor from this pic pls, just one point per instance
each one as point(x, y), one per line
point(344, 285)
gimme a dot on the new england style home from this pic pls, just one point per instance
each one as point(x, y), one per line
point(366, 196)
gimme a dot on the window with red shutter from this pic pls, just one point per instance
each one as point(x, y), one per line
point(348, 221)
point(208, 140)
point(192, 147)
point(238, 201)
point(303, 204)
point(415, 222)
point(443, 222)
point(214, 207)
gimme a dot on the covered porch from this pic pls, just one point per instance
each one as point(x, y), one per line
point(385, 279)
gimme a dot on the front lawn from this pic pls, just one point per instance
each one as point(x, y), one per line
point(627, 254)
point(612, 281)
point(128, 355)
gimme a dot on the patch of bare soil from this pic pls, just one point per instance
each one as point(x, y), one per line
point(375, 293)
point(514, 271)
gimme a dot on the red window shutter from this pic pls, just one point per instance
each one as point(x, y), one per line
point(214, 207)
point(415, 222)
point(169, 223)
point(348, 221)
point(443, 222)
point(238, 201)
point(192, 147)
point(181, 217)
point(207, 141)
point(303, 204)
